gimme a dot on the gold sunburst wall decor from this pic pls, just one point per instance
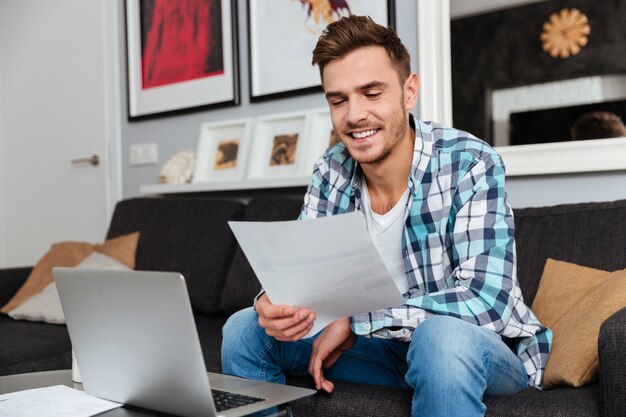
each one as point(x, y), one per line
point(565, 33)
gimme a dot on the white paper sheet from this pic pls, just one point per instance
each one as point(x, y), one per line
point(329, 265)
point(55, 401)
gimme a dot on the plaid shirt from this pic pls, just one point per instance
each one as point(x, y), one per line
point(458, 240)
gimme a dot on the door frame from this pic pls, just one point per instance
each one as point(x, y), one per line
point(113, 96)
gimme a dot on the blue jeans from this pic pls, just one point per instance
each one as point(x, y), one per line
point(449, 363)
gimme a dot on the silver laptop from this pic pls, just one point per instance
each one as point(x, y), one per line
point(136, 343)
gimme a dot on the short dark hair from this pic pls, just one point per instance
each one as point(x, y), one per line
point(354, 32)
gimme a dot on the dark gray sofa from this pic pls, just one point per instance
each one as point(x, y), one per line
point(190, 235)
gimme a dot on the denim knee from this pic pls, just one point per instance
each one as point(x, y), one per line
point(239, 321)
point(445, 333)
point(241, 325)
point(445, 347)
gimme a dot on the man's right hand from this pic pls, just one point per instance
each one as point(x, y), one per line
point(284, 323)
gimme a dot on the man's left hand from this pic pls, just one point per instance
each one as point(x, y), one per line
point(335, 339)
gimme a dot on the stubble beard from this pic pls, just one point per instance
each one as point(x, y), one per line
point(394, 133)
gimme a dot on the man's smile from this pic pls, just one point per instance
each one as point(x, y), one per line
point(363, 134)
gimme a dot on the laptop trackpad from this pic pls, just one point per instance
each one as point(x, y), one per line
point(231, 383)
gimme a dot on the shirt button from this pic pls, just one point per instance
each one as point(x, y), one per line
point(367, 327)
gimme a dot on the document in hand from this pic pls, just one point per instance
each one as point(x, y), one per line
point(329, 265)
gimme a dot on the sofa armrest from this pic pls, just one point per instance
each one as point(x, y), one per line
point(11, 279)
point(612, 361)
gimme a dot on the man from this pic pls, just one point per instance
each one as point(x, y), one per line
point(434, 203)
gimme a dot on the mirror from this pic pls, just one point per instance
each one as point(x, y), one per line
point(505, 85)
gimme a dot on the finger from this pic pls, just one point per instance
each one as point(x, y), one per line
point(291, 324)
point(272, 311)
point(315, 368)
point(299, 329)
point(282, 323)
point(296, 336)
point(327, 386)
point(265, 306)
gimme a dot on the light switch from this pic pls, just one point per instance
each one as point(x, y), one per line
point(143, 154)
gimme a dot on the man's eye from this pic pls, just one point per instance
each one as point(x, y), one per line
point(337, 102)
point(373, 95)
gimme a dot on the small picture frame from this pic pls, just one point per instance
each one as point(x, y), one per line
point(280, 146)
point(321, 134)
point(223, 149)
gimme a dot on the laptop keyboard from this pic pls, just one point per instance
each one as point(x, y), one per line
point(227, 400)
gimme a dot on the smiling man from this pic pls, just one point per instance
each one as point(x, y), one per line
point(434, 203)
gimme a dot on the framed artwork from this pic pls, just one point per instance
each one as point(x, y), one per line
point(284, 35)
point(321, 134)
point(279, 146)
point(181, 58)
point(223, 149)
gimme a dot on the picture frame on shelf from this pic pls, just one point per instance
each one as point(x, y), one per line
point(321, 133)
point(286, 34)
point(280, 146)
point(223, 151)
point(165, 77)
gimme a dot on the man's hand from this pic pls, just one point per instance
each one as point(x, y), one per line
point(282, 322)
point(327, 348)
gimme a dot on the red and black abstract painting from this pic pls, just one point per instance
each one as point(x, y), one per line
point(181, 40)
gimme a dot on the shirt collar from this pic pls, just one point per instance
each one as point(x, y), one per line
point(422, 152)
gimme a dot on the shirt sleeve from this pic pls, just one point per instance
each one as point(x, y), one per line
point(315, 199)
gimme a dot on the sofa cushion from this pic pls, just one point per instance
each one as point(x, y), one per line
point(11, 279)
point(210, 335)
point(186, 235)
point(46, 306)
point(360, 400)
point(581, 402)
point(563, 287)
point(242, 284)
point(69, 254)
point(586, 234)
point(574, 301)
point(33, 347)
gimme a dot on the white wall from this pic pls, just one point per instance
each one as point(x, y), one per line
point(53, 80)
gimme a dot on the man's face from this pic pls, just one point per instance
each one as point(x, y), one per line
point(368, 105)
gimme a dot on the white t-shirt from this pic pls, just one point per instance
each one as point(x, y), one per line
point(386, 233)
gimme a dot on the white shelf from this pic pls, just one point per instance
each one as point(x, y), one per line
point(255, 184)
point(595, 155)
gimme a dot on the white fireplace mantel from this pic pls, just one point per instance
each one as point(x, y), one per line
point(595, 155)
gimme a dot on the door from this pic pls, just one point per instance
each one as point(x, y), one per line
point(58, 114)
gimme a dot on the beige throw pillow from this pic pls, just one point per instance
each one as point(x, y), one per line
point(574, 301)
point(46, 305)
point(69, 254)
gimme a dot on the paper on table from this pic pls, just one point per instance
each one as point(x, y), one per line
point(55, 401)
point(329, 265)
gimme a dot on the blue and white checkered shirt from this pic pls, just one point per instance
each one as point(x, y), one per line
point(458, 240)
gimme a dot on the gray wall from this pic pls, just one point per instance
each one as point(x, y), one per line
point(180, 132)
point(176, 133)
point(548, 190)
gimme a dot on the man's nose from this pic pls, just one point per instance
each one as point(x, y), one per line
point(357, 112)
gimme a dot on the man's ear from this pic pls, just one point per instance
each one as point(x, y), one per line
point(411, 90)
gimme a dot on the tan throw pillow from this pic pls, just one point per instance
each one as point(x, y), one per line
point(69, 254)
point(574, 301)
point(46, 306)
point(562, 287)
